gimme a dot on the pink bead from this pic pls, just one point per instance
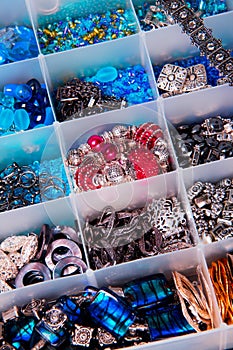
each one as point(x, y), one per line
point(94, 140)
point(109, 152)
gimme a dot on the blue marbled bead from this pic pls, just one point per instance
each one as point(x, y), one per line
point(6, 118)
point(21, 119)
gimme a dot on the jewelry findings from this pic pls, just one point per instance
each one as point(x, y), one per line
point(117, 237)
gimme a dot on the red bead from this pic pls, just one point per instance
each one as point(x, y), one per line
point(145, 164)
point(94, 140)
point(151, 143)
point(110, 152)
point(145, 136)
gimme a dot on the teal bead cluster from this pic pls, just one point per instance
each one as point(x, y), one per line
point(109, 89)
point(17, 43)
point(131, 83)
point(72, 32)
point(23, 107)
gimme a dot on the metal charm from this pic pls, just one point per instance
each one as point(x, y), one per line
point(172, 78)
point(196, 78)
point(81, 336)
point(55, 318)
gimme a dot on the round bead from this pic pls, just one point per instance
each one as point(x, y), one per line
point(110, 152)
point(94, 140)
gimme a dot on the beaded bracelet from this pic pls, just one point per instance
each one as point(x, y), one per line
point(121, 155)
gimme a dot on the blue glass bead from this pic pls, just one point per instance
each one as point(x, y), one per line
point(54, 338)
point(6, 101)
point(3, 53)
point(20, 51)
point(148, 292)
point(167, 322)
point(106, 74)
point(36, 117)
point(42, 98)
point(111, 313)
point(34, 85)
point(21, 119)
point(21, 92)
point(29, 106)
point(24, 33)
point(49, 119)
point(20, 331)
point(6, 118)
point(70, 308)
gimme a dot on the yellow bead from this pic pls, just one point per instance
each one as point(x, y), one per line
point(114, 36)
point(47, 32)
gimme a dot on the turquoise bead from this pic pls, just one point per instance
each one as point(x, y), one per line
point(106, 74)
point(7, 101)
point(49, 119)
point(21, 119)
point(6, 118)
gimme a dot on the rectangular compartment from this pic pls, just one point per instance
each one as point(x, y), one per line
point(12, 17)
point(129, 196)
point(39, 149)
point(28, 221)
point(77, 134)
point(20, 73)
point(86, 62)
point(45, 14)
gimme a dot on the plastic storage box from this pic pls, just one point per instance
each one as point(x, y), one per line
point(146, 48)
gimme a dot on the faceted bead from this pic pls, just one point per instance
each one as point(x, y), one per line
point(21, 92)
point(42, 98)
point(6, 118)
point(21, 119)
point(37, 117)
point(6, 101)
